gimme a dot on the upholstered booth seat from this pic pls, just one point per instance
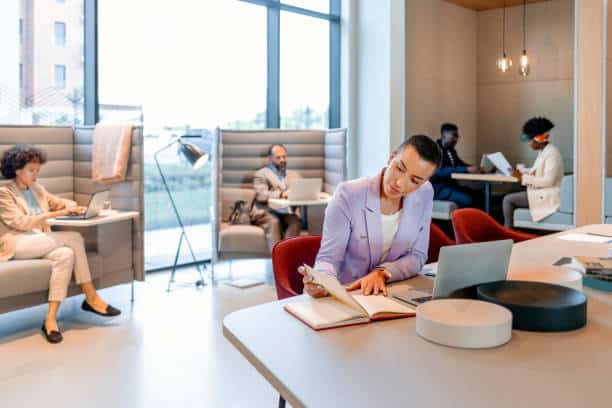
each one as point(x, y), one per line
point(559, 221)
point(114, 250)
point(555, 222)
point(442, 209)
point(24, 276)
point(243, 238)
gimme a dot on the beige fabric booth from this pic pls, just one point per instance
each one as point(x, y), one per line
point(314, 153)
point(114, 251)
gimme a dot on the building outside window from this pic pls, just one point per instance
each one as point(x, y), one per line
point(29, 91)
point(60, 76)
point(60, 34)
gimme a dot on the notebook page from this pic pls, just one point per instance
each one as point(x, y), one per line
point(323, 312)
point(375, 304)
point(334, 287)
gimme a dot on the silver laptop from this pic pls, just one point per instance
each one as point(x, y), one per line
point(461, 266)
point(305, 189)
point(96, 203)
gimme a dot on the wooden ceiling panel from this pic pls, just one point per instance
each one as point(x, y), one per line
point(480, 5)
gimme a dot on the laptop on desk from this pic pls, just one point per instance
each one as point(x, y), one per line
point(461, 266)
point(305, 189)
point(96, 203)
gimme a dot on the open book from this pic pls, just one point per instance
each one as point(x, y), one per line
point(342, 308)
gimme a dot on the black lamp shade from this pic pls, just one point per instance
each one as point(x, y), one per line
point(194, 154)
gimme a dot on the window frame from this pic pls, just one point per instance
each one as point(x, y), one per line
point(273, 59)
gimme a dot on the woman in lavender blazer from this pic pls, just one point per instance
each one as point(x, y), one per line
point(376, 229)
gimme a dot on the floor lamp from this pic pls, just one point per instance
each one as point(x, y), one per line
point(196, 157)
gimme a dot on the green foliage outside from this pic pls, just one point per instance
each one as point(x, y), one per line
point(190, 190)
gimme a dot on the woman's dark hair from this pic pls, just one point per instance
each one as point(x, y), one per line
point(425, 147)
point(18, 156)
point(537, 126)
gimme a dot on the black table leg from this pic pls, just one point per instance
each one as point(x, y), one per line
point(487, 197)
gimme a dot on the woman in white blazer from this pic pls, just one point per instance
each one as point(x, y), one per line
point(543, 180)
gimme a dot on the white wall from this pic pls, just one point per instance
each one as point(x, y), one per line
point(441, 55)
point(507, 100)
point(377, 81)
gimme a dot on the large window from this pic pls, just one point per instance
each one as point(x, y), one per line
point(42, 69)
point(200, 74)
point(227, 63)
point(303, 63)
point(304, 71)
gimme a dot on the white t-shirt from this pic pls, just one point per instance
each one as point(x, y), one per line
point(390, 224)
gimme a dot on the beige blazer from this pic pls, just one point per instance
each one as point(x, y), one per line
point(15, 216)
point(543, 183)
point(267, 185)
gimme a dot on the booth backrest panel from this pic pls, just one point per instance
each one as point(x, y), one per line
point(244, 152)
point(567, 194)
point(313, 153)
point(125, 195)
point(57, 174)
point(336, 169)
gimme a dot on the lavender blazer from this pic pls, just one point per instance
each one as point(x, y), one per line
point(352, 232)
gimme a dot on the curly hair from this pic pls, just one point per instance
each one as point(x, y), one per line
point(536, 126)
point(18, 156)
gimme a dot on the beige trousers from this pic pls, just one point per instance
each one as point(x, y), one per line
point(279, 226)
point(65, 250)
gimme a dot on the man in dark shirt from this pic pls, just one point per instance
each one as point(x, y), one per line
point(446, 188)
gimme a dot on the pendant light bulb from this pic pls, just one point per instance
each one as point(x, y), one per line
point(524, 64)
point(504, 63)
point(524, 68)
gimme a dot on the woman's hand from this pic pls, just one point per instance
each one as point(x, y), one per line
point(76, 210)
point(371, 284)
point(313, 289)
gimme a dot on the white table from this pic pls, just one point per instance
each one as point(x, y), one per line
point(276, 203)
point(388, 364)
point(487, 179)
point(324, 199)
point(114, 216)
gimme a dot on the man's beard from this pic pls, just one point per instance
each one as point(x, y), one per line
point(281, 167)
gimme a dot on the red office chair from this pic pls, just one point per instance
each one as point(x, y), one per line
point(287, 256)
point(473, 225)
point(437, 239)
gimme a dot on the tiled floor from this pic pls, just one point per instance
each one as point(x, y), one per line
point(165, 350)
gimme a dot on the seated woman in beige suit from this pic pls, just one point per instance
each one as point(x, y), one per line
point(25, 206)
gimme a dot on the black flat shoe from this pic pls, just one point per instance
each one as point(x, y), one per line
point(110, 311)
point(53, 336)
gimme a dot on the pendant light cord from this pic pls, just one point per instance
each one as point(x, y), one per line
point(504, 30)
point(524, 25)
